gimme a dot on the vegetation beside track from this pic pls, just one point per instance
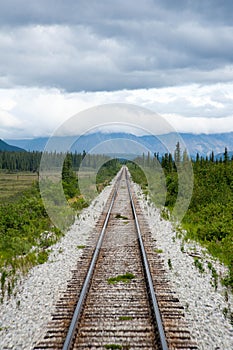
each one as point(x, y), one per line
point(26, 231)
point(209, 218)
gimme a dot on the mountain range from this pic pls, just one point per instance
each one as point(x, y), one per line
point(6, 147)
point(125, 142)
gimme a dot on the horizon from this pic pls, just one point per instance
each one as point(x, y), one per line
point(114, 132)
point(98, 142)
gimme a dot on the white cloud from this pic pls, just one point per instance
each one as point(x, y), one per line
point(7, 120)
point(7, 103)
point(38, 112)
point(200, 125)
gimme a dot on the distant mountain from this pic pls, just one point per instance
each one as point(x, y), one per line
point(37, 144)
point(110, 142)
point(205, 144)
point(221, 155)
point(6, 147)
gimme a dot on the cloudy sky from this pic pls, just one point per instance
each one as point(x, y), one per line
point(60, 57)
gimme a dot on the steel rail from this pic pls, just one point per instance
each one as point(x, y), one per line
point(73, 325)
point(155, 306)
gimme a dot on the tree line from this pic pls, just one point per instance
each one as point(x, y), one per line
point(30, 161)
point(170, 161)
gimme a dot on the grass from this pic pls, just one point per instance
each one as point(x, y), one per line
point(42, 256)
point(81, 246)
point(113, 346)
point(122, 217)
point(158, 250)
point(25, 235)
point(121, 278)
point(125, 318)
point(214, 275)
point(169, 264)
point(15, 183)
point(198, 265)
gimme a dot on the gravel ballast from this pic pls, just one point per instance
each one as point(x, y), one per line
point(23, 318)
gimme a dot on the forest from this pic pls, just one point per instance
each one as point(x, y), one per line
point(30, 161)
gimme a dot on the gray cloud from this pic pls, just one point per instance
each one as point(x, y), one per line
point(90, 45)
point(19, 12)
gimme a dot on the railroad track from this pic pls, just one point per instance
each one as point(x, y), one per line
point(119, 297)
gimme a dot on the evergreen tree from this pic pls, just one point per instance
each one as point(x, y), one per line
point(185, 156)
point(212, 157)
point(69, 179)
point(177, 154)
point(225, 156)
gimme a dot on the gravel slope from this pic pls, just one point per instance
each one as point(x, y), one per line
point(23, 318)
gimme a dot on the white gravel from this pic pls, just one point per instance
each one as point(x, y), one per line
point(23, 318)
point(204, 306)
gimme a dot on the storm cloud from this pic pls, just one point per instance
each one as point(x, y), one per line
point(109, 45)
point(59, 57)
